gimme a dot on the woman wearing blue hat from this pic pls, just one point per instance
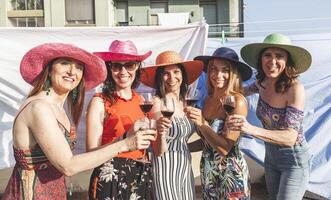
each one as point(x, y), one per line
point(224, 172)
point(281, 110)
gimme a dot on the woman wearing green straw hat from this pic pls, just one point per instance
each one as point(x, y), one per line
point(281, 110)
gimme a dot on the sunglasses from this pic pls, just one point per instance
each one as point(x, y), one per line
point(129, 66)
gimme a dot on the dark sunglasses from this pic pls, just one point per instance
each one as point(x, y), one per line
point(129, 66)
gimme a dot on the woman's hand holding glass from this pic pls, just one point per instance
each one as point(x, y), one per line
point(195, 115)
point(239, 123)
point(141, 134)
point(163, 125)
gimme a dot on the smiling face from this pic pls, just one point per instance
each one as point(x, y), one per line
point(173, 78)
point(273, 62)
point(124, 74)
point(66, 74)
point(219, 73)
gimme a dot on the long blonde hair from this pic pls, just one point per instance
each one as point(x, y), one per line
point(234, 82)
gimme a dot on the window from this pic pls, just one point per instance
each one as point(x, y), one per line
point(157, 6)
point(27, 4)
point(122, 13)
point(26, 13)
point(80, 12)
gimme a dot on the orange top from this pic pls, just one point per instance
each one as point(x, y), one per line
point(119, 118)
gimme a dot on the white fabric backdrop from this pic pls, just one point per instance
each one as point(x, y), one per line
point(189, 40)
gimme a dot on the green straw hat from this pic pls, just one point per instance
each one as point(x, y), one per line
point(300, 56)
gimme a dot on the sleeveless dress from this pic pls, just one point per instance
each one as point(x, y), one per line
point(172, 172)
point(123, 177)
point(223, 177)
point(34, 177)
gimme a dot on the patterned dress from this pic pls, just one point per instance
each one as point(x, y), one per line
point(34, 177)
point(173, 176)
point(123, 177)
point(223, 178)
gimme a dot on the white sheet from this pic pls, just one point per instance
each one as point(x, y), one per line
point(189, 40)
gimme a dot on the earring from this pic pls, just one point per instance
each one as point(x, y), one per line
point(74, 94)
point(47, 86)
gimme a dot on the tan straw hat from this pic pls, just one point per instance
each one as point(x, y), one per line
point(193, 68)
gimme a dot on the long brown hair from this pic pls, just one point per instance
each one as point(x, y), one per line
point(75, 108)
point(109, 85)
point(286, 78)
point(234, 83)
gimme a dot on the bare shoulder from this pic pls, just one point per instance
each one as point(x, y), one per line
point(96, 102)
point(40, 107)
point(296, 95)
point(241, 104)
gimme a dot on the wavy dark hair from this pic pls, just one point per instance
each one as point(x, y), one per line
point(286, 78)
point(75, 108)
point(160, 87)
point(109, 85)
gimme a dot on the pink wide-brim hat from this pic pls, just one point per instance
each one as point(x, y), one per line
point(37, 58)
point(193, 68)
point(122, 51)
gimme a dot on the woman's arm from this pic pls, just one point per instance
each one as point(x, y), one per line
point(285, 137)
point(162, 126)
point(94, 123)
point(222, 143)
point(51, 140)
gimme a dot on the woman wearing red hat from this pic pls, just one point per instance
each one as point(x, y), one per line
point(43, 134)
point(110, 114)
point(224, 172)
point(172, 171)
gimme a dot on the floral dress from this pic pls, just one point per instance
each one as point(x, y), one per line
point(123, 177)
point(223, 177)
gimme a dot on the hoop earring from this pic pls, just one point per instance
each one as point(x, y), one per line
point(47, 86)
point(74, 94)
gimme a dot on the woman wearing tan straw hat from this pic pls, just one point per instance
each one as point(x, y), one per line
point(281, 110)
point(110, 114)
point(223, 169)
point(172, 171)
point(43, 134)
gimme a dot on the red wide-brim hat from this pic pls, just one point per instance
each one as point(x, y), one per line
point(37, 58)
point(193, 68)
point(122, 51)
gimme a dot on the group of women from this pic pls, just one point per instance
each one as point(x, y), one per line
point(119, 134)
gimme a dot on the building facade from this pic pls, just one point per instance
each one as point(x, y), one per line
point(222, 15)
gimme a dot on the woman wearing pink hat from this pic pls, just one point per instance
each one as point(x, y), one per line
point(110, 114)
point(43, 134)
point(172, 171)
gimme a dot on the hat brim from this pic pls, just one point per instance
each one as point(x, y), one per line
point(36, 59)
point(244, 70)
point(193, 70)
point(109, 56)
point(300, 56)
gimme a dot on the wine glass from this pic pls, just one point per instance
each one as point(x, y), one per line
point(192, 96)
point(229, 104)
point(146, 104)
point(167, 107)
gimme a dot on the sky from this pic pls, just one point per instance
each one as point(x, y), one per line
point(286, 16)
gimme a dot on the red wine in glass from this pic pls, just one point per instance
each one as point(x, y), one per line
point(167, 113)
point(146, 107)
point(228, 109)
point(229, 104)
point(191, 102)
